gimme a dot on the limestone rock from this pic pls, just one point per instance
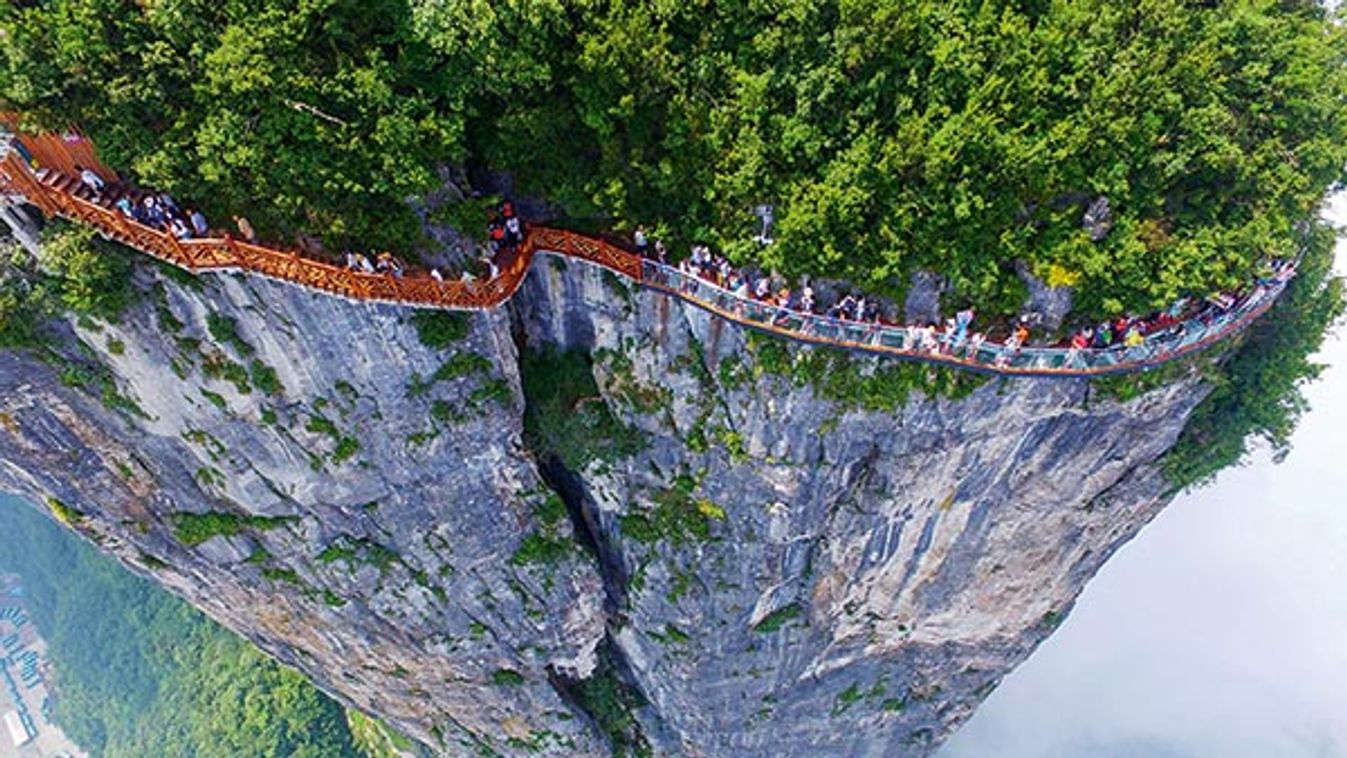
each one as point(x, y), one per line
point(796, 563)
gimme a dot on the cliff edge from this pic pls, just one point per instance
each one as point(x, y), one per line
point(682, 539)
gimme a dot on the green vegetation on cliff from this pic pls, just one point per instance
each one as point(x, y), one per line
point(79, 273)
point(961, 136)
point(141, 673)
point(566, 416)
point(1257, 389)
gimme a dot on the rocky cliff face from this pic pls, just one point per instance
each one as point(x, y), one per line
point(784, 557)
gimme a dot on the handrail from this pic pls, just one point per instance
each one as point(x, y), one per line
point(422, 291)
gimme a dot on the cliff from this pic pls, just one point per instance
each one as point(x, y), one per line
point(713, 544)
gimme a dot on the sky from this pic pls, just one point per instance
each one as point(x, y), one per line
point(1220, 631)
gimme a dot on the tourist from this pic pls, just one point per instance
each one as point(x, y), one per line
point(638, 237)
point(199, 224)
point(436, 275)
point(91, 180)
point(1078, 343)
point(762, 288)
point(154, 216)
point(496, 235)
point(244, 226)
point(842, 309)
point(1103, 336)
point(661, 252)
point(975, 344)
point(929, 342)
point(514, 232)
point(128, 210)
point(167, 204)
point(807, 299)
point(179, 229)
point(962, 320)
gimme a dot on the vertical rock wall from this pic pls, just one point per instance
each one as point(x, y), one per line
point(795, 562)
point(864, 576)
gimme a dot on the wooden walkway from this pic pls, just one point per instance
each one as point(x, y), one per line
point(59, 193)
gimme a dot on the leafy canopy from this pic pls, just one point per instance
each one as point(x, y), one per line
point(956, 135)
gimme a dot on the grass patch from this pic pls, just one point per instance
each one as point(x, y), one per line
point(778, 618)
point(355, 551)
point(320, 424)
point(443, 412)
point(192, 529)
point(548, 545)
point(286, 575)
point(215, 398)
point(64, 513)
point(674, 634)
point(346, 447)
point(609, 702)
point(676, 517)
point(265, 379)
point(507, 677)
point(440, 329)
point(218, 366)
point(495, 389)
point(846, 698)
point(459, 365)
point(225, 331)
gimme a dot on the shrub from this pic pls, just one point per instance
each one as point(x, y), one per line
point(347, 447)
point(440, 329)
point(265, 378)
point(192, 529)
point(64, 513)
point(225, 330)
point(507, 677)
point(91, 275)
point(778, 618)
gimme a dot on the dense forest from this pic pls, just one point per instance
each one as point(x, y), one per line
point(962, 136)
point(141, 673)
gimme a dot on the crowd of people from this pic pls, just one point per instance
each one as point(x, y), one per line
point(954, 337)
point(505, 233)
point(156, 210)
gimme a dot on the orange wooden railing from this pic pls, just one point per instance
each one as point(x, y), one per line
point(225, 253)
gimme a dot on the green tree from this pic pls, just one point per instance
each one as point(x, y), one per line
point(964, 137)
point(90, 275)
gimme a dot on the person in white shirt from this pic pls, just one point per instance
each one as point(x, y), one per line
point(199, 224)
point(91, 180)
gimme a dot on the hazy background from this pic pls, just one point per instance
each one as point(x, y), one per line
point(1220, 631)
